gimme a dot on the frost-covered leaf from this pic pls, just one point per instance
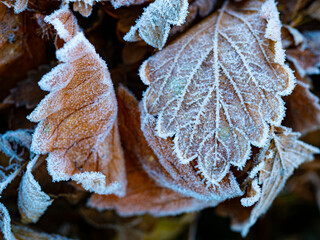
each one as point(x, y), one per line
point(78, 117)
point(18, 5)
point(196, 8)
point(121, 3)
point(303, 109)
point(155, 23)
point(306, 58)
point(5, 223)
point(143, 194)
point(10, 166)
point(215, 89)
point(275, 164)
point(160, 163)
point(32, 201)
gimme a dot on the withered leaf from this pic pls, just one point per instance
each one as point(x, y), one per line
point(196, 8)
point(306, 58)
point(276, 163)
point(12, 162)
point(25, 233)
point(160, 163)
point(32, 201)
point(78, 117)
point(303, 109)
point(143, 194)
point(215, 89)
point(154, 24)
point(5, 223)
point(11, 36)
point(18, 5)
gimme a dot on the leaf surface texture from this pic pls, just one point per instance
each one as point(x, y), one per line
point(216, 89)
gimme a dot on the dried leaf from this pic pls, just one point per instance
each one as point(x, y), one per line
point(5, 223)
point(306, 59)
point(11, 36)
point(18, 5)
point(160, 163)
point(276, 163)
point(197, 7)
point(11, 165)
point(25, 233)
point(303, 109)
point(78, 117)
point(143, 194)
point(154, 24)
point(215, 89)
point(32, 201)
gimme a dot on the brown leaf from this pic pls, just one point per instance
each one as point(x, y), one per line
point(78, 117)
point(11, 36)
point(275, 164)
point(200, 8)
point(215, 90)
point(143, 194)
point(154, 24)
point(303, 109)
point(18, 5)
point(306, 58)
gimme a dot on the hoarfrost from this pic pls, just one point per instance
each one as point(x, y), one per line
point(32, 201)
point(78, 125)
point(154, 24)
point(287, 154)
point(215, 89)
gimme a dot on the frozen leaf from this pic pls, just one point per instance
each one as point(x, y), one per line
point(305, 61)
point(215, 89)
point(200, 8)
point(11, 165)
point(160, 162)
point(121, 3)
point(143, 194)
point(306, 58)
point(276, 163)
point(78, 117)
point(5, 223)
point(32, 201)
point(154, 24)
point(303, 109)
point(18, 5)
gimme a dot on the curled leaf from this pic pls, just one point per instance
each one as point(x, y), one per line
point(303, 109)
point(32, 201)
point(78, 117)
point(154, 24)
point(18, 5)
point(5, 223)
point(215, 89)
point(12, 163)
point(276, 163)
